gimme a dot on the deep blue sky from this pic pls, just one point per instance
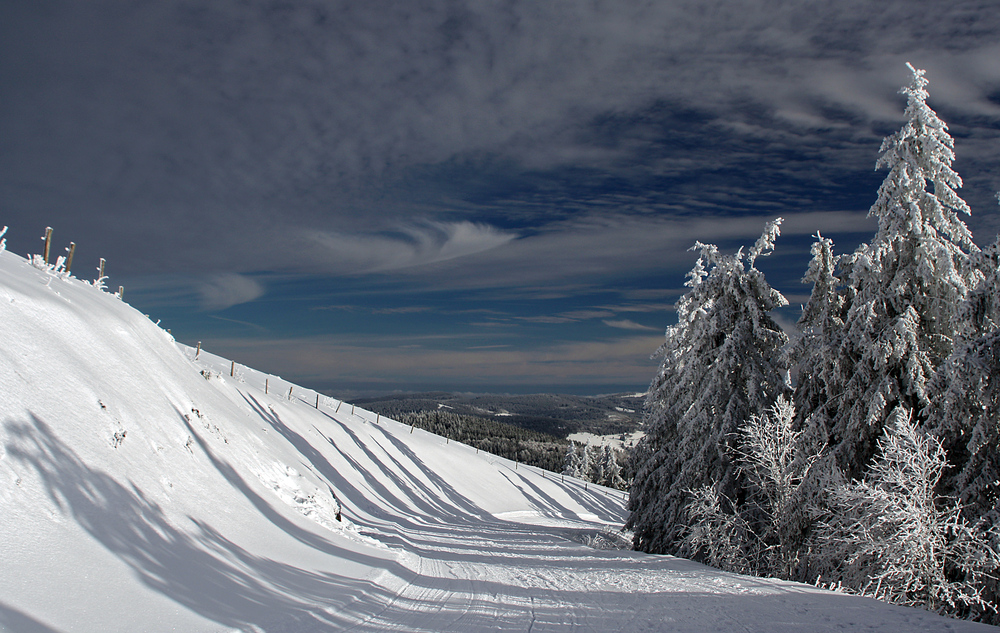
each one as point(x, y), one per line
point(484, 196)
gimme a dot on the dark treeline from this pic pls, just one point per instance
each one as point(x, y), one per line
point(551, 414)
point(499, 438)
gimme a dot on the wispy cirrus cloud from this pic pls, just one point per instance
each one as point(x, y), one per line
point(626, 324)
point(406, 248)
point(387, 363)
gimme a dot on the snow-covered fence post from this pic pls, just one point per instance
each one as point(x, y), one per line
point(48, 243)
point(232, 370)
point(352, 409)
point(290, 388)
point(378, 416)
point(100, 270)
point(121, 293)
point(337, 410)
point(197, 352)
point(69, 256)
point(317, 401)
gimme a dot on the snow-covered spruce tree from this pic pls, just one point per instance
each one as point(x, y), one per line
point(965, 411)
point(890, 537)
point(720, 364)
point(811, 359)
point(571, 463)
point(906, 286)
point(611, 472)
point(586, 462)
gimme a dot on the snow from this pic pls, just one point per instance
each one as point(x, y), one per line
point(138, 495)
point(615, 439)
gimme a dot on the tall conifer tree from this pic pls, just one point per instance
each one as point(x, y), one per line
point(905, 286)
point(720, 364)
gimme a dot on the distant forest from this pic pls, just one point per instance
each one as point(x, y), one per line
point(548, 414)
point(528, 447)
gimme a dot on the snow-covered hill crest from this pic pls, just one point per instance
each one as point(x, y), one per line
point(142, 489)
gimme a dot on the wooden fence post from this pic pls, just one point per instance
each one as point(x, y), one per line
point(48, 242)
point(317, 401)
point(232, 370)
point(338, 406)
point(69, 257)
point(100, 270)
point(198, 351)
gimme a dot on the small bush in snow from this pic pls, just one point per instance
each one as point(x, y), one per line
point(608, 539)
point(719, 536)
point(890, 537)
point(777, 459)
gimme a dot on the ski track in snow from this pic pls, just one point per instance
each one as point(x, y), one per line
point(144, 490)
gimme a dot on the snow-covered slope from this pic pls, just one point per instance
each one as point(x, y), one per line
point(142, 489)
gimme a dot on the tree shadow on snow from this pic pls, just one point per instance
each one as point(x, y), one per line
point(17, 621)
point(198, 568)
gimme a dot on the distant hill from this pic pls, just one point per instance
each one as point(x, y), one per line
point(553, 414)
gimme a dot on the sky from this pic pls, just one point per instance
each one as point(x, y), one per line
point(367, 197)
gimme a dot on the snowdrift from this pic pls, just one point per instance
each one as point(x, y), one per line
point(145, 489)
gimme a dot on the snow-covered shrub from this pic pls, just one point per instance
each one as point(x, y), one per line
point(38, 262)
point(608, 538)
point(777, 459)
point(720, 536)
point(890, 537)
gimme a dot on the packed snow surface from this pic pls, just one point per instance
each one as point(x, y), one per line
point(144, 489)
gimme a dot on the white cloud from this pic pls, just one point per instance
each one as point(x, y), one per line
point(600, 249)
point(225, 290)
point(626, 324)
point(331, 359)
point(409, 247)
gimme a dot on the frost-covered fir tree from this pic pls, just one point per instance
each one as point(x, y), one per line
point(571, 462)
point(587, 465)
point(811, 358)
point(611, 472)
point(906, 286)
point(965, 409)
point(965, 413)
point(720, 364)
